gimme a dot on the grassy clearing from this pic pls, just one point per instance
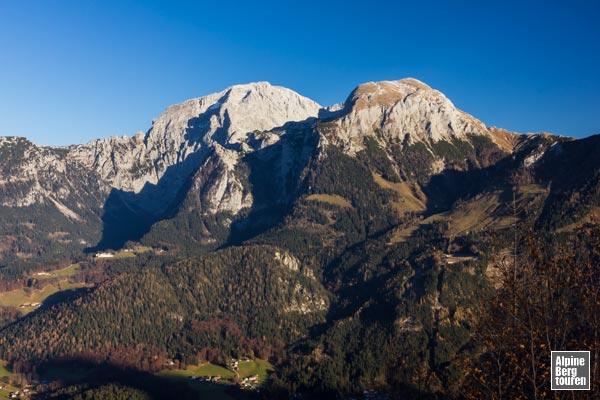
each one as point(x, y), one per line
point(330, 199)
point(409, 199)
point(262, 368)
point(490, 211)
point(401, 235)
point(69, 271)
point(18, 297)
point(592, 215)
point(198, 370)
point(4, 375)
point(4, 392)
point(4, 370)
point(208, 390)
point(131, 253)
point(486, 212)
point(63, 273)
point(142, 249)
point(531, 189)
point(125, 254)
point(475, 215)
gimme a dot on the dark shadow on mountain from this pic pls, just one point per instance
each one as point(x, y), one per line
point(449, 186)
point(128, 216)
point(63, 297)
point(326, 115)
point(566, 170)
point(275, 178)
point(445, 188)
point(337, 111)
point(75, 371)
point(572, 168)
point(198, 127)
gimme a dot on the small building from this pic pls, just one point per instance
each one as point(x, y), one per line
point(104, 255)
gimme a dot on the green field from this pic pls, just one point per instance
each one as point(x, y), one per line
point(194, 370)
point(207, 390)
point(142, 249)
point(262, 368)
point(63, 273)
point(4, 374)
point(70, 270)
point(125, 254)
point(18, 297)
point(131, 253)
point(330, 199)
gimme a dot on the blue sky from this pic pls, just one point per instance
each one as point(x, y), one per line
point(71, 71)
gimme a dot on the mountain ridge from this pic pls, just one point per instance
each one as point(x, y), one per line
point(411, 132)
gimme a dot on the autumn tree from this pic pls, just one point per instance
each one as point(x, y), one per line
point(548, 299)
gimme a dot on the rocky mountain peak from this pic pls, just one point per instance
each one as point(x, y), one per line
point(405, 110)
point(229, 116)
point(193, 128)
point(243, 109)
point(385, 93)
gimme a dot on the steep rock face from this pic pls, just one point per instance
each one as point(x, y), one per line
point(32, 175)
point(217, 187)
point(181, 139)
point(405, 111)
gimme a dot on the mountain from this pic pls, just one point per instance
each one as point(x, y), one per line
point(351, 244)
point(77, 192)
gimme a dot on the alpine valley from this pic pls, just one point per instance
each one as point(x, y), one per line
point(343, 251)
